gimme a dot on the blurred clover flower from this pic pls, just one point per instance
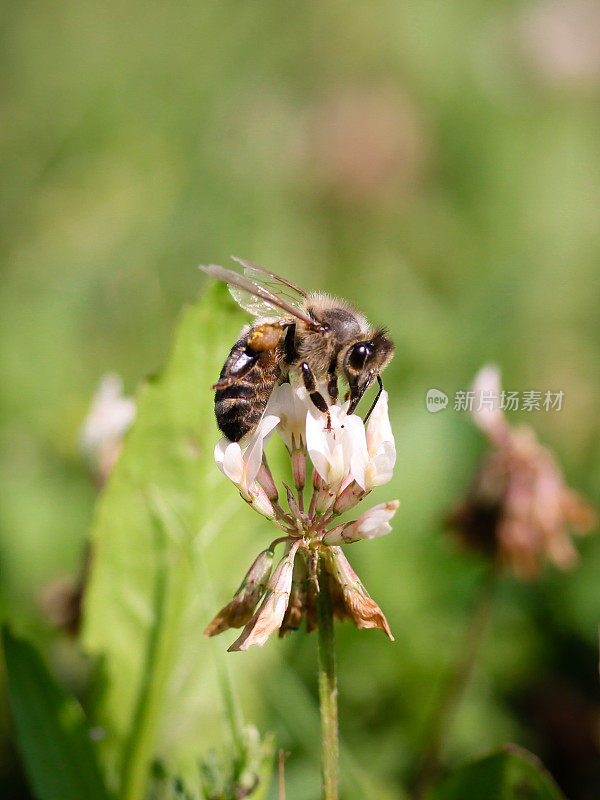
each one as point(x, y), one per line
point(560, 41)
point(100, 441)
point(518, 507)
point(349, 459)
point(109, 418)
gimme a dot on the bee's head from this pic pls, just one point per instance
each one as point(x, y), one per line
point(363, 361)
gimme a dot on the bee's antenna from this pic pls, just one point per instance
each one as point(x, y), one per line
point(380, 382)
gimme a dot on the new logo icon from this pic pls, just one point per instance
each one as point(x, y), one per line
point(435, 400)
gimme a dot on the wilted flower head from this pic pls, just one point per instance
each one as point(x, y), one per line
point(518, 508)
point(349, 459)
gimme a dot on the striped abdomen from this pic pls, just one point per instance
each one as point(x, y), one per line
point(239, 407)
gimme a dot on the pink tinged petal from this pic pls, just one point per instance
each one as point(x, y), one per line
point(350, 496)
point(265, 479)
point(373, 523)
point(270, 615)
point(345, 483)
point(292, 503)
point(335, 535)
point(299, 468)
point(317, 481)
point(219, 452)
point(323, 499)
point(259, 501)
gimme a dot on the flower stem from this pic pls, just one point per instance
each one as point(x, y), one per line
point(327, 692)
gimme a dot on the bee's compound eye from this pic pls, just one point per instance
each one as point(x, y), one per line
point(358, 355)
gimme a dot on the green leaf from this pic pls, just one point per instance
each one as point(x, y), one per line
point(509, 774)
point(53, 736)
point(146, 602)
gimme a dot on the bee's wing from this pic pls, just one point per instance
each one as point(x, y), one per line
point(272, 282)
point(256, 298)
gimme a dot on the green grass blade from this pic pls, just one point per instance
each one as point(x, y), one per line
point(144, 610)
point(51, 729)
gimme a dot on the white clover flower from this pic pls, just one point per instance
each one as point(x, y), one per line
point(381, 446)
point(109, 418)
point(373, 523)
point(348, 461)
point(337, 451)
point(241, 466)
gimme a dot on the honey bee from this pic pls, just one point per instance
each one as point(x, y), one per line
point(313, 336)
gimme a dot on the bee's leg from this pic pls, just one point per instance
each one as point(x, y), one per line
point(311, 387)
point(380, 382)
point(332, 381)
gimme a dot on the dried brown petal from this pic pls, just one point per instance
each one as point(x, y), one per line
point(312, 614)
point(298, 598)
point(350, 597)
point(239, 610)
point(295, 611)
point(338, 605)
point(271, 613)
point(364, 611)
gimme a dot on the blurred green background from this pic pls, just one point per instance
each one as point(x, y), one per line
point(436, 162)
